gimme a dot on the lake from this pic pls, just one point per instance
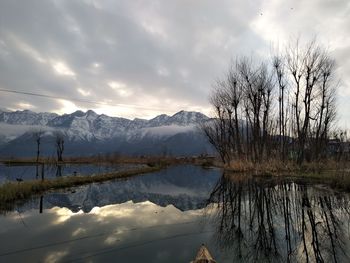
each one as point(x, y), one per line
point(165, 217)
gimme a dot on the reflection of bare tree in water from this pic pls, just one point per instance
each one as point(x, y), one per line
point(41, 204)
point(59, 171)
point(270, 220)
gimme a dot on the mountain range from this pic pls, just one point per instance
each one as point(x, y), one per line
point(89, 133)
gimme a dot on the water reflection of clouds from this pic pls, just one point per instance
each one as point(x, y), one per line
point(55, 256)
point(64, 235)
point(78, 232)
point(63, 214)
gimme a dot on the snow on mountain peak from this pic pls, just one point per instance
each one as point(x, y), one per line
point(89, 125)
point(26, 117)
point(91, 113)
point(187, 117)
point(158, 120)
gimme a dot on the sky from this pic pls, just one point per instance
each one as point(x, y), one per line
point(142, 58)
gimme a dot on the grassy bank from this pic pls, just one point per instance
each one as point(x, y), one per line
point(13, 191)
point(279, 168)
point(337, 179)
point(334, 174)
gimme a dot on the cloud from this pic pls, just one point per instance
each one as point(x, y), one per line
point(155, 52)
point(83, 92)
point(62, 69)
point(25, 105)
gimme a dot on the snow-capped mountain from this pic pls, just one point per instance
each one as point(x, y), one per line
point(91, 133)
point(26, 117)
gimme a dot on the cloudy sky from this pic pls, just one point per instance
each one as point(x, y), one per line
point(141, 58)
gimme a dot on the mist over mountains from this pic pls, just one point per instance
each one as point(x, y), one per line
point(88, 133)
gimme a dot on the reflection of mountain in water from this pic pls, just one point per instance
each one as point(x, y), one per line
point(185, 187)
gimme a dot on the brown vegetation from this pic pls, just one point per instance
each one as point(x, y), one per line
point(12, 191)
point(332, 173)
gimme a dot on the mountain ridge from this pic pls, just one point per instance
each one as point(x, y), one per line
point(98, 133)
point(29, 117)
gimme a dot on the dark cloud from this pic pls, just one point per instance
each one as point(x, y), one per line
point(161, 55)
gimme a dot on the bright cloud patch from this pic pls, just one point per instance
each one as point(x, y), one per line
point(67, 107)
point(25, 105)
point(120, 88)
point(62, 69)
point(84, 92)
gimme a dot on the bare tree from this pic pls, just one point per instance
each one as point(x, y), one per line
point(234, 95)
point(216, 129)
point(310, 68)
point(258, 85)
point(37, 135)
point(224, 131)
point(278, 64)
point(297, 125)
point(326, 111)
point(59, 143)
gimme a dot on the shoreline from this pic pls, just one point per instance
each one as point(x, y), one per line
point(149, 160)
point(335, 177)
point(333, 174)
point(17, 191)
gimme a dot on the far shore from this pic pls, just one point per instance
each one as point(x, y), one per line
point(110, 160)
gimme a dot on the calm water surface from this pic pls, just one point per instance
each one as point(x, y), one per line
point(166, 216)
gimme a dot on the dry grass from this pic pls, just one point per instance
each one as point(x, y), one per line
point(271, 167)
point(335, 174)
point(277, 167)
point(337, 179)
point(13, 191)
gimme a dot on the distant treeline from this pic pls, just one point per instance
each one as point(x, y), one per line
point(283, 107)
